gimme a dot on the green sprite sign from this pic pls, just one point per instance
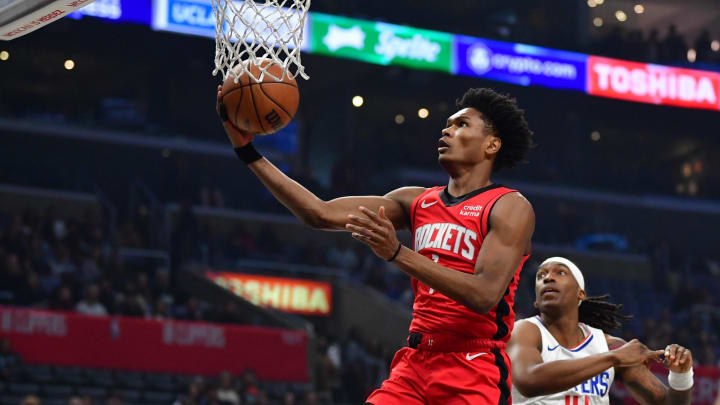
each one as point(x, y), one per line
point(381, 43)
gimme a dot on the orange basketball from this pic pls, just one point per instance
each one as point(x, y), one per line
point(263, 107)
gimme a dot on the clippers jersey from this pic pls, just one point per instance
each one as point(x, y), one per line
point(450, 231)
point(594, 391)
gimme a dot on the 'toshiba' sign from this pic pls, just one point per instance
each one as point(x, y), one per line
point(653, 84)
point(300, 296)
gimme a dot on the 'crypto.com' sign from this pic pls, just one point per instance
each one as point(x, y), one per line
point(655, 84)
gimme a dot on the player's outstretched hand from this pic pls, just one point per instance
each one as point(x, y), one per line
point(633, 353)
point(237, 136)
point(376, 230)
point(678, 359)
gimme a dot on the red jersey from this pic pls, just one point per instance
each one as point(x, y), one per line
point(450, 231)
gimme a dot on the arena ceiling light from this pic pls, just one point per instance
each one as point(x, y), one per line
point(620, 15)
point(4, 55)
point(358, 101)
point(423, 113)
point(69, 64)
point(598, 22)
point(715, 45)
point(399, 119)
point(639, 9)
point(592, 3)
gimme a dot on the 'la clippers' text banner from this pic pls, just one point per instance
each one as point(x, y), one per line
point(300, 296)
point(655, 84)
point(62, 338)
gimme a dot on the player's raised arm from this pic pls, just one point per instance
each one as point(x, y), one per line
point(306, 206)
point(533, 377)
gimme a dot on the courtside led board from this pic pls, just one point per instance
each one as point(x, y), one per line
point(525, 65)
point(307, 297)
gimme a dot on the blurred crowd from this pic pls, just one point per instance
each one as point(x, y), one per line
point(68, 264)
point(223, 389)
point(670, 47)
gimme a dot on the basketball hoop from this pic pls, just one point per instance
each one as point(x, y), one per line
point(248, 31)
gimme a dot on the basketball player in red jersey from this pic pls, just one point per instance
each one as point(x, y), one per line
point(471, 239)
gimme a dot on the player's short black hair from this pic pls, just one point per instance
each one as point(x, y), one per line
point(504, 119)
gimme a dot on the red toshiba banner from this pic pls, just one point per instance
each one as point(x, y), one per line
point(654, 84)
point(63, 338)
point(285, 294)
point(705, 387)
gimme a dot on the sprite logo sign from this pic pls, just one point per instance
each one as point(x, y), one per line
point(417, 48)
point(381, 43)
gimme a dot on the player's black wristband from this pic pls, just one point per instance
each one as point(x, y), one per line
point(248, 153)
point(396, 253)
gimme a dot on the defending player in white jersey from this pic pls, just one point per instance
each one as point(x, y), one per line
point(563, 357)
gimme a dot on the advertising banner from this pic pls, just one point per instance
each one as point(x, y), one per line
point(381, 43)
point(169, 346)
point(195, 17)
point(307, 297)
point(390, 44)
point(520, 64)
point(134, 11)
point(654, 84)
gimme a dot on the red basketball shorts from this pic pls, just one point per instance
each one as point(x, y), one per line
point(447, 378)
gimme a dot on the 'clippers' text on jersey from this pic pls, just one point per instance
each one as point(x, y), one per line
point(594, 391)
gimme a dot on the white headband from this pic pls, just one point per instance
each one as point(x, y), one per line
point(570, 265)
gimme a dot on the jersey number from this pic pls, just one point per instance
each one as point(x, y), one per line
point(575, 400)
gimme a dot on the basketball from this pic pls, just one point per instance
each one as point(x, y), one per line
point(263, 107)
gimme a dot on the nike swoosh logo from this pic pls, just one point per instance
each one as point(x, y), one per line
point(422, 204)
point(469, 357)
point(552, 348)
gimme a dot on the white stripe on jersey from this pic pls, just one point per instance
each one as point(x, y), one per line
point(594, 391)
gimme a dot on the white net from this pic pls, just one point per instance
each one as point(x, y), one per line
point(248, 31)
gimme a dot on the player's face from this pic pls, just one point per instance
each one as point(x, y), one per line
point(464, 139)
point(555, 286)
